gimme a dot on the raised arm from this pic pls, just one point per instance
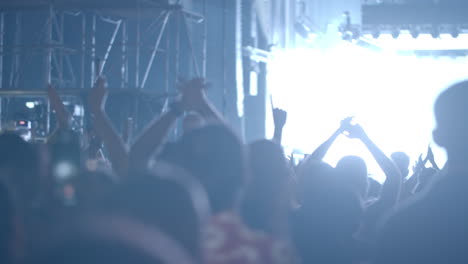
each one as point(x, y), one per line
point(103, 127)
point(390, 193)
point(407, 188)
point(391, 188)
point(431, 159)
point(194, 99)
point(63, 116)
point(279, 118)
point(322, 150)
point(154, 135)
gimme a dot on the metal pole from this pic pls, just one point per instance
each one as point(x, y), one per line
point(111, 44)
point(190, 44)
point(286, 10)
point(2, 34)
point(205, 41)
point(48, 40)
point(224, 100)
point(93, 50)
point(177, 47)
point(167, 68)
point(83, 49)
point(61, 39)
point(137, 51)
point(47, 127)
point(124, 69)
point(155, 49)
point(16, 60)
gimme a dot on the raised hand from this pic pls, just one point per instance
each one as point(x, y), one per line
point(279, 117)
point(193, 98)
point(63, 116)
point(98, 96)
point(356, 131)
point(419, 165)
point(430, 157)
point(103, 127)
point(193, 94)
point(430, 154)
point(346, 124)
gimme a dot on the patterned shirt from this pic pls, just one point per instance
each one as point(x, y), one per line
point(228, 241)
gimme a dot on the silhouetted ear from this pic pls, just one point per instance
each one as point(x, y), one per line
point(438, 138)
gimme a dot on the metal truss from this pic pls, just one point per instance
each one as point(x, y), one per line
point(65, 74)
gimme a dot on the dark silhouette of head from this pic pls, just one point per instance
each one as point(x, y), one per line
point(107, 239)
point(402, 161)
point(162, 203)
point(352, 171)
point(267, 196)
point(451, 115)
point(329, 215)
point(192, 121)
point(19, 168)
point(92, 187)
point(215, 156)
point(312, 176)
point(7, 229)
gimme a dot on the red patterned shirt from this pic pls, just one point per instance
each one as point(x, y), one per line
point(228, 241)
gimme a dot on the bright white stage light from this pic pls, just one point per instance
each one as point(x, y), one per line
point(30, 105)
point(391, 96)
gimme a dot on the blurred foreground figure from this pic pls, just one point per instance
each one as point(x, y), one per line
point(432, 228)
point(215, 156)
point(108, 239)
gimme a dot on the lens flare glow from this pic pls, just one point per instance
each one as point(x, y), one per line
point(391, 96)
point(30, 105)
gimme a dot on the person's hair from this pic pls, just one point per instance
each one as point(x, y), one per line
point(91, 187)
point(402, 160)
point(6, 225)
point(159, 202)
point(352, 171)
point(215, 156)
point(80, 251)
point(268, 189)
point(103, 238)
point(192, 121)
point(12, 229)
point(312, 176)
point(330, 213)
point(451, 116)
point(19, 164)
point(66, 146)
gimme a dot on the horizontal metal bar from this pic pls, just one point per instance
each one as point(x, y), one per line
point(80, 92)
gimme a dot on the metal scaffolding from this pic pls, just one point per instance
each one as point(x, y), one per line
point(138, 27)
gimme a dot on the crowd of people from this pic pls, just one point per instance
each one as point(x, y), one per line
point(211, 198)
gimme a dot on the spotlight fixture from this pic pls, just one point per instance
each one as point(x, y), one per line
point(455, 32)
point(395, 33)
point(376, 33)
point(435, 32)
point(414, 31)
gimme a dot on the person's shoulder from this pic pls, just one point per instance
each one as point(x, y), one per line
point(426, 227)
